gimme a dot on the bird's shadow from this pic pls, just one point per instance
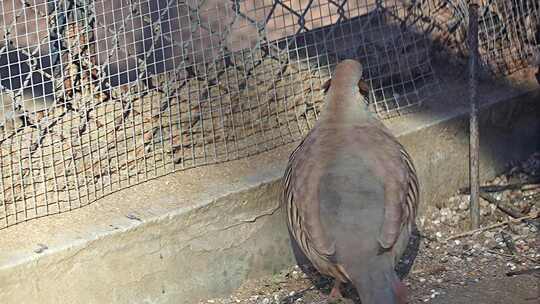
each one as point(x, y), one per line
point(324, 283)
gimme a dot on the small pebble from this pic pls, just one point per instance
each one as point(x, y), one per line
point(41, 248)
point(512, 266)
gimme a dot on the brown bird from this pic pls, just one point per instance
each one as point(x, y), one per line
point(351, 193)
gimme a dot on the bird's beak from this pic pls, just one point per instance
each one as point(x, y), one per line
point(326, 85)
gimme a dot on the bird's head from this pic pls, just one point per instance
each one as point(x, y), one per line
point(378, 283)
point(347, 76)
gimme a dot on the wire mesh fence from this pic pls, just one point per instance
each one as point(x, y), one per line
point(509, 30)
point(99, 95)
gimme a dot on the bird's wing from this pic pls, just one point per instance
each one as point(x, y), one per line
point(300, 200)
point(401, 197)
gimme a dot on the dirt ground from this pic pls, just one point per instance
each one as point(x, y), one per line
point(496, 265)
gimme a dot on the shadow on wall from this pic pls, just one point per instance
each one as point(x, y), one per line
point(16, 72)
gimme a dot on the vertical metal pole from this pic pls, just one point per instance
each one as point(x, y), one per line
point(474, 141)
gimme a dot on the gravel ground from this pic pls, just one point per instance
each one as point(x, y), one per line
point(497, 265)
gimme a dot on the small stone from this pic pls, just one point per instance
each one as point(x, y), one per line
point(421, 280)
point(292, 293)
point(445, 211)
point(296, 274)
point(265, 301)
point(41, 248)
point(483, 203)
point(512, 266)
point(438, 234)
point(464, 205)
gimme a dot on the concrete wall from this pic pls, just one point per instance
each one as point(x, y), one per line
point(175, 259)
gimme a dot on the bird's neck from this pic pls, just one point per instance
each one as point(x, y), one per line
point(344, 107)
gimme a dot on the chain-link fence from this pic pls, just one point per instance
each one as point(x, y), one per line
point(98, 95)
point(509, 30)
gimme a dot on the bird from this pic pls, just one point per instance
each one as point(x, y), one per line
point(351, 192)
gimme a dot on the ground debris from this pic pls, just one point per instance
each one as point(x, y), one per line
point(496, 265)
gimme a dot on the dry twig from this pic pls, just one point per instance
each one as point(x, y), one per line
point(532, 184)
point(474, 231)
point(523, 271)
point(501, 205)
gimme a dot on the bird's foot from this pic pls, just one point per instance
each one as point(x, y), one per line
point(335, 293)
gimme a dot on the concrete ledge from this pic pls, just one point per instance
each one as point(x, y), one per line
point(201, 233)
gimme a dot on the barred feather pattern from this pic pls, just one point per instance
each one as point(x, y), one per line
point(413, 194)
point(325, 262)
point(301, 235)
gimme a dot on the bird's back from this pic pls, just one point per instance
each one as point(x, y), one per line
point(338, 176)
